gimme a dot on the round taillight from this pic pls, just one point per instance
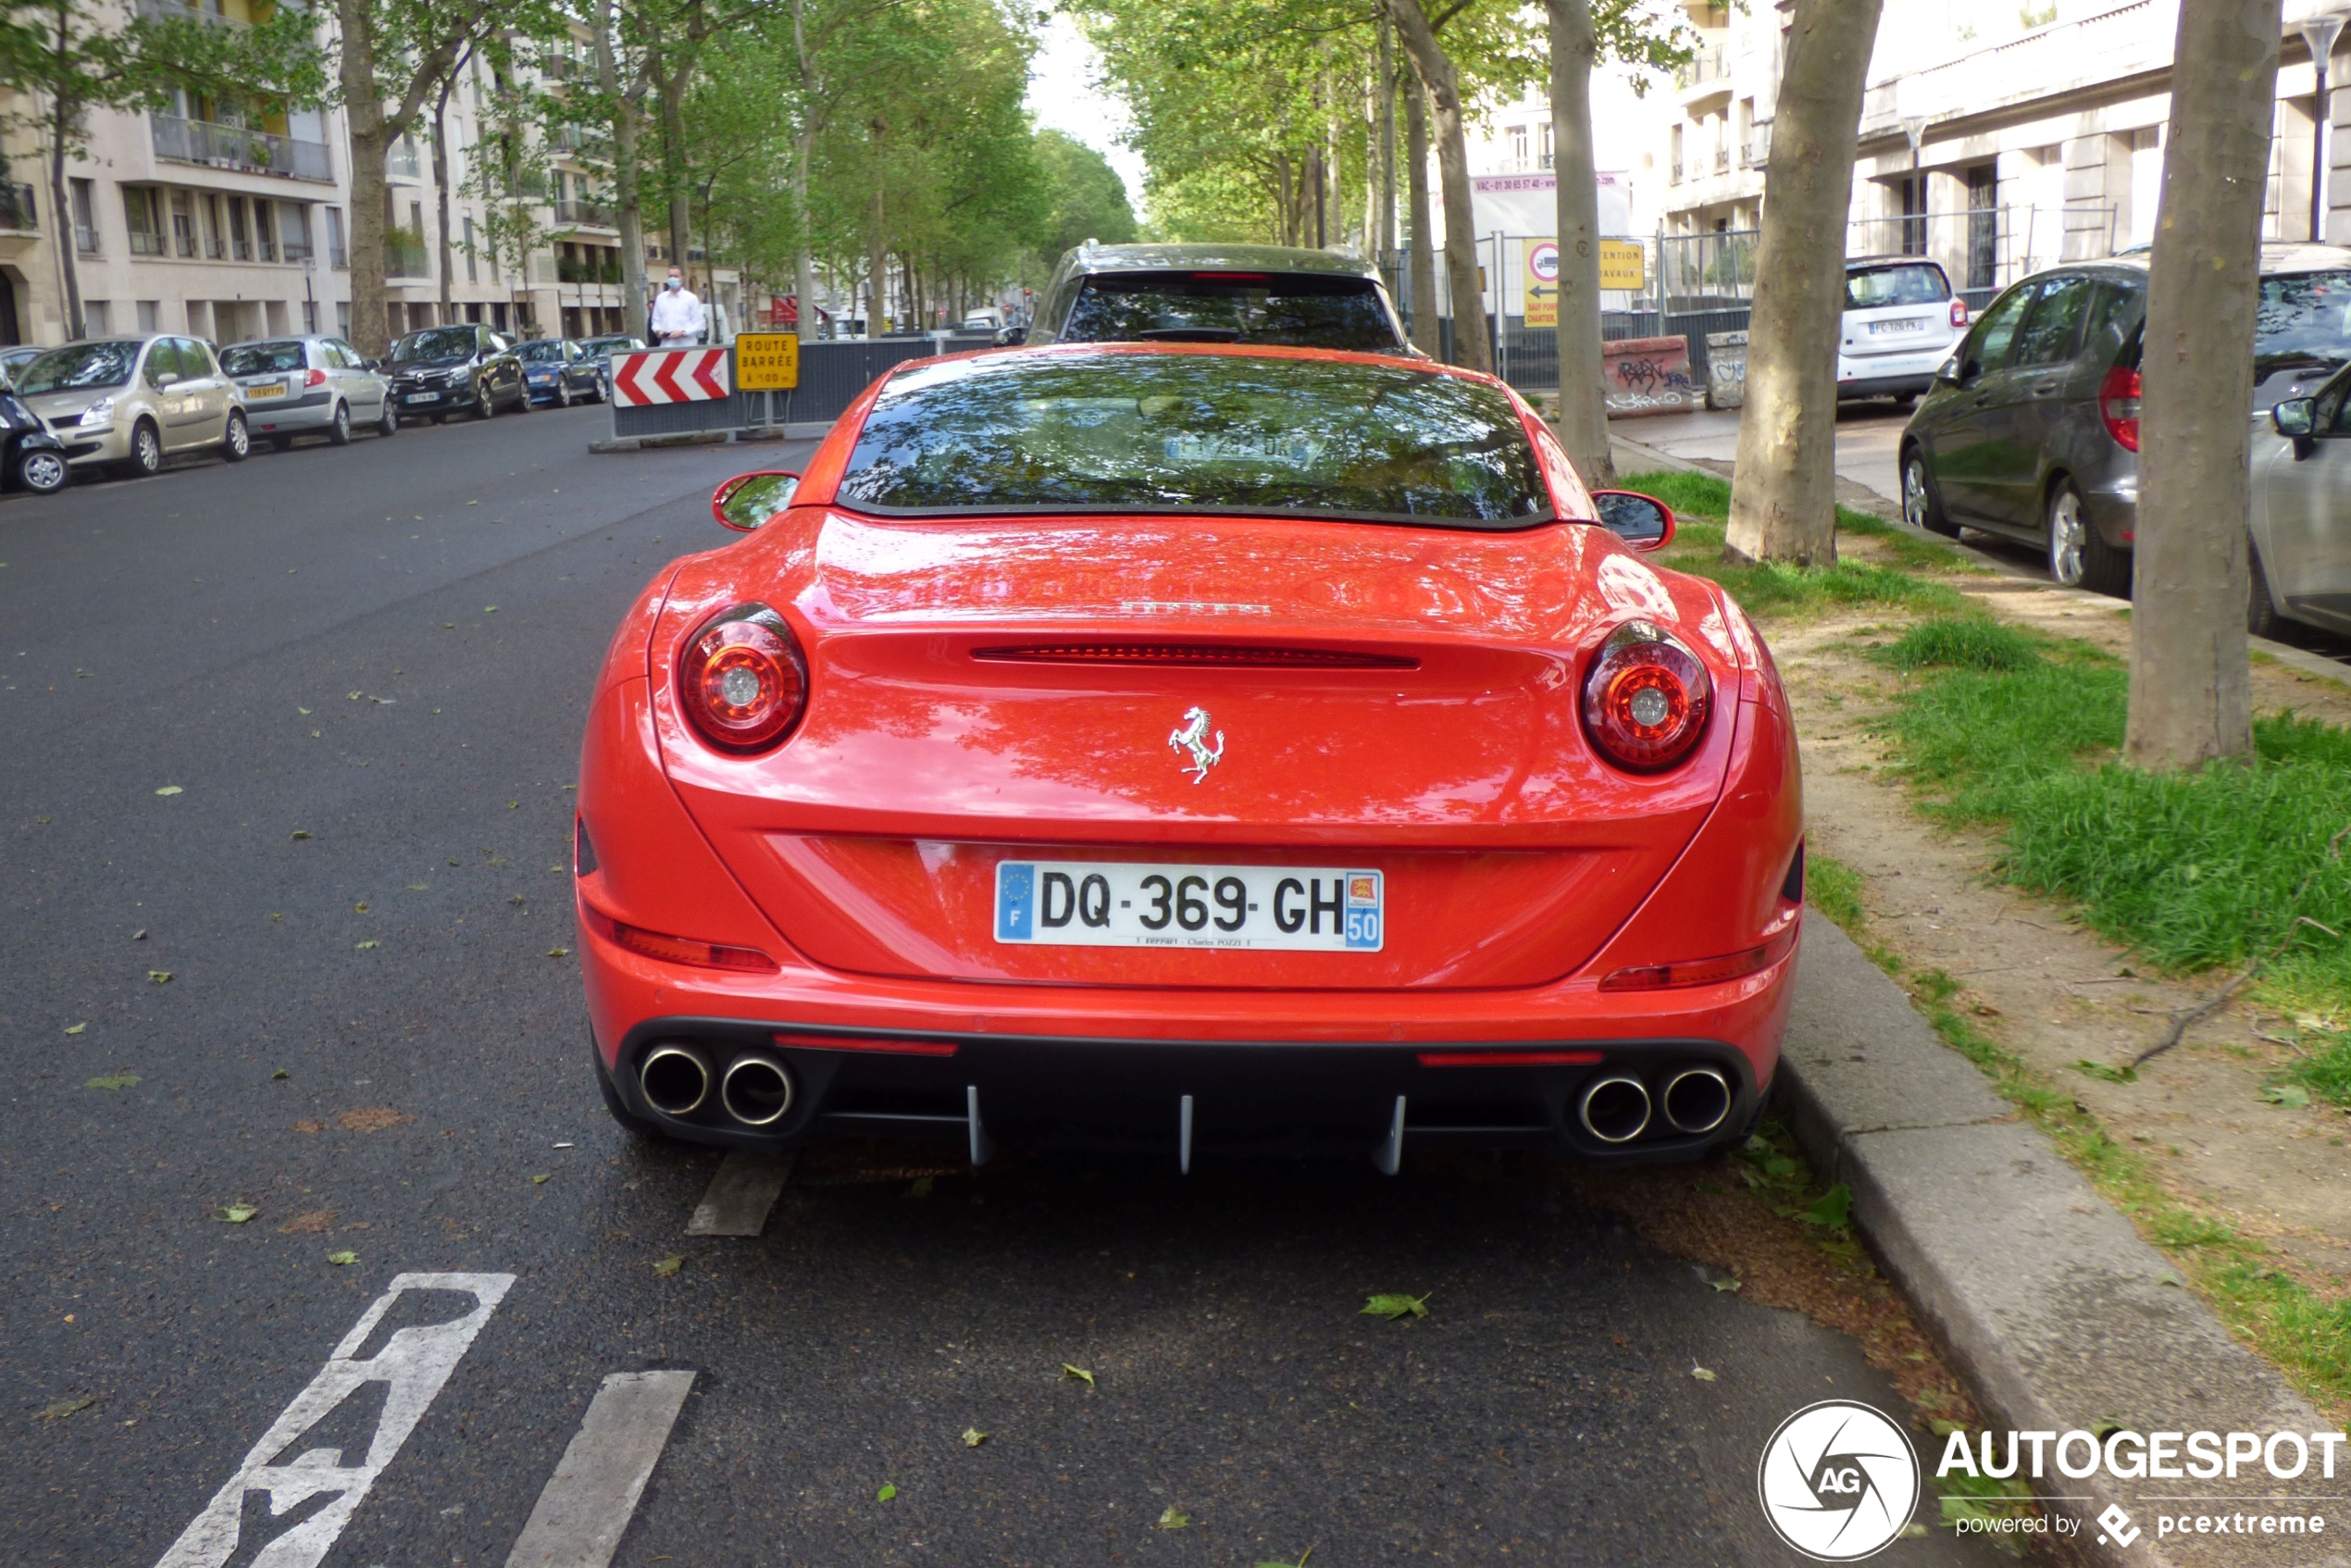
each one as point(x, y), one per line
point(742, 679)
point(1646, 700)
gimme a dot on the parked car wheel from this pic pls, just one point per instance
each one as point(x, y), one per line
point(522, 397)
point(2261, 617)
point(1921, 508)
point(2078, 557)
point(146, 452)
point(388, 422)
point(563, 393)
point(237, 445)
point(44, 473)
point(339, 432)
point(485, 401)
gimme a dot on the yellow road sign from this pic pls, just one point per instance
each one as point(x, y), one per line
point(766, 361)
point(1623, 265)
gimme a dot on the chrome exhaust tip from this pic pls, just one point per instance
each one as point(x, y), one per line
point(1696, 1100)
point(1615, 1108)
point(757, 1091)
point(675, 1080)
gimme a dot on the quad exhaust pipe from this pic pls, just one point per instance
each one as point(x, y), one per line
point(1615, 1108)
point(1697, 1100)
point(676, 1080)
point(1618, 1107)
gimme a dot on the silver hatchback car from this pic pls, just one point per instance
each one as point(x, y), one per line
point(309, 385)
point(129, 402)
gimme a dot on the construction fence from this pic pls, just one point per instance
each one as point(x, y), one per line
point(832, 375)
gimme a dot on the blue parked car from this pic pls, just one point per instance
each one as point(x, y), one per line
point(555, 370)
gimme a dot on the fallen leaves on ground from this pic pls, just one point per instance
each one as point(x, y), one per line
point(2294, 1096)
point(887, 1492)
point(159, 976)
point(237, 1213)
point(919, 1188)
point(1725, 1284)
point(316, 1223)
point(372, 1118)
point(310, 1128)
point(1833, 1209)
point(342, 1260)
point(281, 1073)
point(1393, 1307)
point(669, 1265)
point(64, 1408)
point(359, 908)
point(362, 946)
point(171, 790)
point(298, 833)
point(1701, 1373)
point(1174, 1519)
point(1079, 1372)
point(974, 1437)
point(1299, 1563)
point(538, 1181)
point(76, 1028)
point(114, 1080)
point(559, 952)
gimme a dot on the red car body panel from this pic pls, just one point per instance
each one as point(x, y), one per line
point(1521, 867)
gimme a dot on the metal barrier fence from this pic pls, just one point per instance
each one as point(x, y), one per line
point(833, 374)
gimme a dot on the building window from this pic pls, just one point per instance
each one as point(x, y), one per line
point(96, 318)
point(471, 277)
point(1547, 143)
point(1518, 148)
point(264, 239)
point(343, 316)
point(148, 313)
point(145, 224)
point(337, 254)
point(183, 223)
point(240, 242)
point(84, 195)
point(294, 230)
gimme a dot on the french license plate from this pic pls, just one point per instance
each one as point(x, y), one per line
point(266, 389)
point(422, 397)
point(1878, 326)
point(1127, 904)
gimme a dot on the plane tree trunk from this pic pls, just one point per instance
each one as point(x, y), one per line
point(1583, 414)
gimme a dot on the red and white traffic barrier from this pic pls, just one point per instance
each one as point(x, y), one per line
point(646, 377)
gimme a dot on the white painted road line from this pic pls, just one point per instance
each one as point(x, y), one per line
point(414, 1362)
point(589, 1499)
point(741, 1195)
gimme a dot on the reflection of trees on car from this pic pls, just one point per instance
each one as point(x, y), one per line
point(435, 343)
point(2303, 319)
point(1141, 431)
point(78, 366)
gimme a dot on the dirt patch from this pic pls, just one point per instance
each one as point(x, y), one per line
point(372, 1118)
point(2053, 992)
point(315, 1222)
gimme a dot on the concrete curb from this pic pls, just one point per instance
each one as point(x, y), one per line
point(2040, 1295)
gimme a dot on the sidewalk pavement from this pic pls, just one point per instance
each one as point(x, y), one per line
point(1868, 435)
point(2040, 1295)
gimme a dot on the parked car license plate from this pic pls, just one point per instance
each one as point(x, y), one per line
point(422, 397)
point(266, 389)
point(1127, 904)
point(1897, 326)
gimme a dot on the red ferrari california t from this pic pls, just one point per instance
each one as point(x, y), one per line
point(1206, 747)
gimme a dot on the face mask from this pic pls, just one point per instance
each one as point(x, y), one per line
point(674, 283)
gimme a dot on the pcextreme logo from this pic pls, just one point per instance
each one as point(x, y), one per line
point(1838, 1481)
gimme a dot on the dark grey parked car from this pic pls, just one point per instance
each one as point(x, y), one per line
point(436, 372)
point(2031, 427)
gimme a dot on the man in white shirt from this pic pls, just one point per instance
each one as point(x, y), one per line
point(679, 319)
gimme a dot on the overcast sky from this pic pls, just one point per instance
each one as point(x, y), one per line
point(1062, 96)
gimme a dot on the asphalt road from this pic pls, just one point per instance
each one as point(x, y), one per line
point(327, 978)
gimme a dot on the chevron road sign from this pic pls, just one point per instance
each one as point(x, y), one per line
point(670, 375)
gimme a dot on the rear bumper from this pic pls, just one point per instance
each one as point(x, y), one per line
point(312, 411)
point(1085, 1066)
point(1911, 384)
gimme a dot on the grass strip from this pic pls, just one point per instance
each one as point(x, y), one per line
point(2306, 1333)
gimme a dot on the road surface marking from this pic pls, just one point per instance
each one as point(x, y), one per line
point(589, 1499)
point(740, 1195)
point(414, 1362)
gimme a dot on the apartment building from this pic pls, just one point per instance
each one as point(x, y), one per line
point(227, 220)
point(1997, 140)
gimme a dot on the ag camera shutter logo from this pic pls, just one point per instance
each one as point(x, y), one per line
point(1838, 1481)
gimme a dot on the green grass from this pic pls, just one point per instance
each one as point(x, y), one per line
point(1707, 497)
point(2303, 1332)
point(1962, 643)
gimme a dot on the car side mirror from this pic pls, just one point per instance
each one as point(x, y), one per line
point(1949, 372)
point(1642, 521)
point(166, 378)
point(2296, 419)
point(1011, 337)
point(748, 501)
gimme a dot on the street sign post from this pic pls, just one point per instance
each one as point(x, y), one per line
point(766, 361)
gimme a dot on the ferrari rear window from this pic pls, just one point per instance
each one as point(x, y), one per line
point(1137, 431)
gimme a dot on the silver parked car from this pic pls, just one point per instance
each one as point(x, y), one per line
point(132, 401)
point(309, 385)
point(2301, 517)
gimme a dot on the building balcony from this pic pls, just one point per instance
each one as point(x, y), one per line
point(173, 11)
point(584, 215)
point(240, 147)
point(18, 215)
point(405, 258)
point(1708, 74)
point(400, 162)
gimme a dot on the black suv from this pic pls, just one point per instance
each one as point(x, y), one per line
point(2031, 430)
point(466, 367)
